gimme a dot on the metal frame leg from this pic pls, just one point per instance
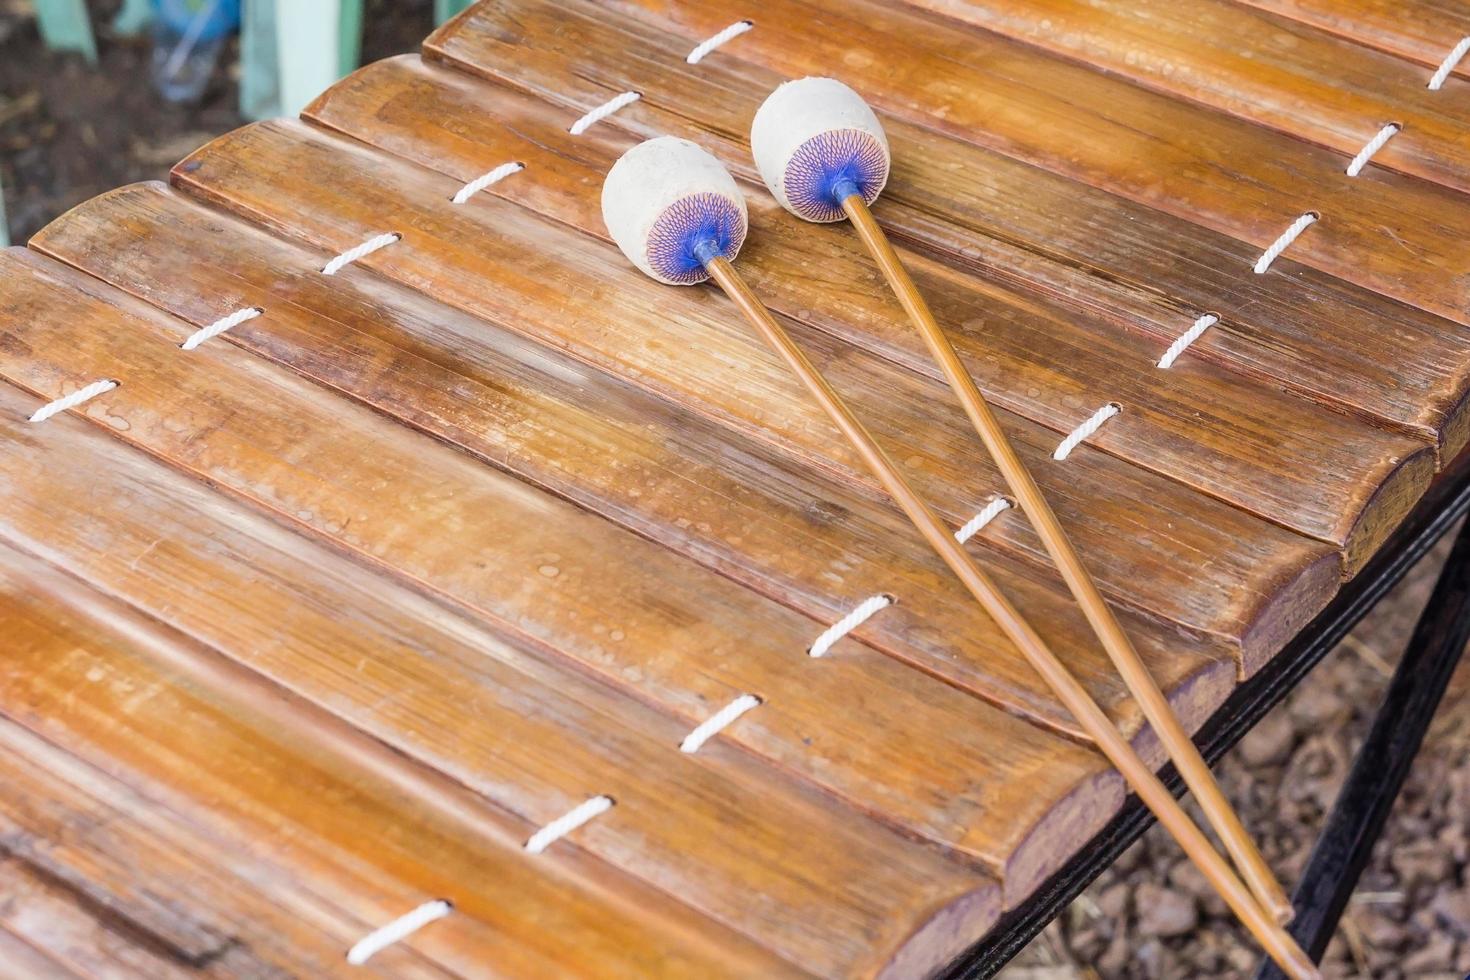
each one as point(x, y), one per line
point(1362, 807)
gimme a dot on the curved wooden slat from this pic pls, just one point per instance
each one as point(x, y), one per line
point(1420, 30)
point(1396, 236)
point(584, 594)
point(728, 376)
point(1269, 70)
point(1074, 245)
point(236, 831)
point(1219, 434)
point(661, 472)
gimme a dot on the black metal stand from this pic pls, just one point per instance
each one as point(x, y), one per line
point(1382, 765)
point(1445, 503)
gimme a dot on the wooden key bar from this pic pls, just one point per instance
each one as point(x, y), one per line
point(1217, 433)
point(732, 505)
point(262, 434)
point(134, 712)
point(1424, 31)
point(979, 211)
point(1270, 70)
point(737, 384)
point(1395, 236)
point(410, 566)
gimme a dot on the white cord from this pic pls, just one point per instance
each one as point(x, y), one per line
point(1065, 447)
point(566, 823)
point(72, 400)
point(397, 930)
point(486, 179)
point(977, 523)
point(219, 326)
point(1448, 64)
point(603, 111)
point(353, 254)
point(717, 722)
point(1371, 147)
point(714, 41)
point(848, 623)
point(1186, 338)
point(1287, 237)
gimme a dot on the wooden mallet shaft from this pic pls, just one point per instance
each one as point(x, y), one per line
point(1273, 938)
point(1176, 741)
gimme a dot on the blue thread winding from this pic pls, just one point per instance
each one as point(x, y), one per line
point(690, 232)
point(832, 166)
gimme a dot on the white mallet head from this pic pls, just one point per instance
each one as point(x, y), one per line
point(816, 142)
point(672, 207)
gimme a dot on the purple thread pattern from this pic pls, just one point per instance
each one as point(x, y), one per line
point(827, 159)
point(686, 224)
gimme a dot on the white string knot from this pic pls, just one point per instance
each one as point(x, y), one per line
point(1371, 147)
point(397, 930)
point(220, 326)
point(1075, 437)
point(567, 822)
point(1448, 64)
point(848, 623)
point(977, 523)
point(486, 179)
point(72, 400)
point(1186, 338)
point(603, 111)
point(1287, 237)
point(717, 722)
point(356, 252)
point(715, 40)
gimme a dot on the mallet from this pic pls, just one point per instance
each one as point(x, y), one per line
point(678, 216)
point(823, 154)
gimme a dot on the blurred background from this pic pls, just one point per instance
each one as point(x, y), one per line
point(77, 120)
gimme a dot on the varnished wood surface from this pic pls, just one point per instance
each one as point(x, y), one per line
point(1271, 70)
point(726, 376)
point(1216, 432)
point(1420, 30)
point(1090, 251)
point(323, 619)
point(1394, 235)
point(447, 693)
point(658, 470)
point(236, 832)
point(689, 644)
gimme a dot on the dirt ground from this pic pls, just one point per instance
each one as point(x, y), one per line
point(1153, 916)
point(69, 132)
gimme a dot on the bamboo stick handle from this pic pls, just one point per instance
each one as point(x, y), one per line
point(1176, 741)
point(1277, 943)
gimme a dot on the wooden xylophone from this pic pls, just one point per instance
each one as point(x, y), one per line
point(395, 580)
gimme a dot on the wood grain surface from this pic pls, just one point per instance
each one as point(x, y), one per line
point(683, 639)
point(324, 618)
point(660, 471)
point(1090, 251)
point(1215, 432)
point(241, 832)
point(1424, 31)
point(548, 753)
point(1271, 70)
point(48, 930)
point(1397, 236)
point(728, 376)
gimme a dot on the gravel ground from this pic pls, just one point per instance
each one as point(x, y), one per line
point(69, 132)
point(1153, 916)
